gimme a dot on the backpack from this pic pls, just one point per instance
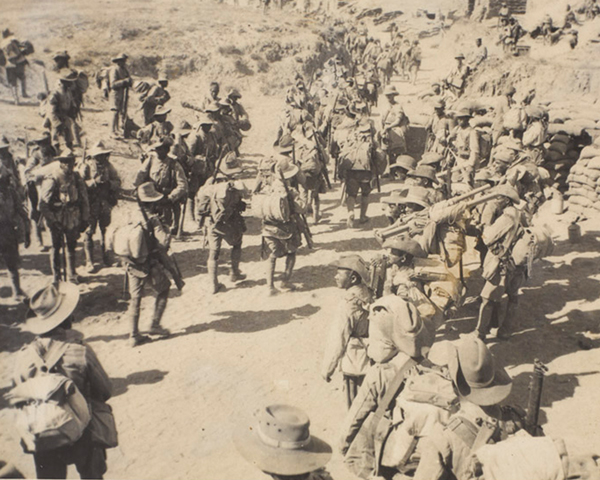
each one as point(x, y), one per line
point(50, 411)
point(131, 242)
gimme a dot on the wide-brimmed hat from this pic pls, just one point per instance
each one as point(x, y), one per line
point(459, 56)
point(51, 306)
point(99, 149)
point(404, 161)
point(165, 140)
point(43, 138)
point(234, 92)
point(185, 128)
point(120, 57)
point(230, 165)
point(61, 54)
point(147, 193)
point(405, 244)
point(204, 119)
point(355, 263)
point(401, 324)
point(4, 143)
point(162, 77)
point(161, 110)
point(424, 171)
point(463, 112)
point(7, 33)
point(439, 103)
point(508, 191)
point(486, 175)
point(65, 155)
point(364, 126)
point(278, 441)
point(396, 197)
point(476, 375)
point(390, 90)
point(415, 195)
point(504, 155)
point(431, 158)
point(69, 76)
point(286, 167)
point(286, 144)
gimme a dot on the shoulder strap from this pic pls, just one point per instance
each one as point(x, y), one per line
point(473, 436)
point(53, 355)
point(392, 390)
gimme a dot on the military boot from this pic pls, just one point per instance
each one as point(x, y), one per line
point(15, 280)
point(72, 276)
point(350, 201)
point(286, 283)
point(105, 258)
point(88, 248)
point(55, 264)
point(364, 204)
point(236, 257)
point(214, 286)
point(159, 310)
point(271, 276)
point(316, 210)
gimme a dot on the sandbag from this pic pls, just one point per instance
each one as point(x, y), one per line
point(573, 154)
point(561, 138)
point(564, 164)
point(558, 147)
point(559, 115)
point(594, 163)
point(580, 200)
point(590, 151)
point(553, 156)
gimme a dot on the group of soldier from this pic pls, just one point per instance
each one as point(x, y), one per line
point(479, 183)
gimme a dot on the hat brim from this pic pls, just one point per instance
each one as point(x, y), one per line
point(492, 394)
point(411, 247)
point(291, 173)
point(70, 298)
point(418, 175)
point(361, 272)
point(97, 153)
point(118, 59)
point(280, 461)
point(396, 166)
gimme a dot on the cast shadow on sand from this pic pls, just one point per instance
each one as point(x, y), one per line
point(148, 377)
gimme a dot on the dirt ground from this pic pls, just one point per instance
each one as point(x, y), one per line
point(178, 400)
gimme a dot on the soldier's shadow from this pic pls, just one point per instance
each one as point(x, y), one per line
point(12, 338)
point(250, 321)
point(148, 377)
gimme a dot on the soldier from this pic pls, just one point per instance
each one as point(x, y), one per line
point(222, 204)
point(455, 81)
point(151, 237)
point(350, 327)
point(50, 319)
point(394, 126)
point(242, 121)
point(61, 111)
point(156, 96)
point(205, 144)
point(265, 443)
point(80, 86)
point(403, 165)
point(65, 208)
point(14, 224)
point(158, 129)
point(119, 82)
point(403, 203)
point(465, 142)
point(425, 176)
point(41, 155)
point(103, 185)
point(480, 54)
point(438, 128)
point(212, 97)
point(312, 162)
point(15, 56)
point(281, 232)
point(414, 61)
point(502, 223)
point(481, 385)
point(168, 178)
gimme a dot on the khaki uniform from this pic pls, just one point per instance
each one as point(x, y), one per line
point(60, 114)
point(156, 96)
point(65, 208)
point(119, 81)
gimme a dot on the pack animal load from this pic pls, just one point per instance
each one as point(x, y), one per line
point(272, 208)
point(130, 242)
point(50, 411)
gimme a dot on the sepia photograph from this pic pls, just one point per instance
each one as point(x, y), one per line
point(300, 239)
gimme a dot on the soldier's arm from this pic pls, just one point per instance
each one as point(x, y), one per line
point(100, 384)
point(181, 188)
point(339, 336)
point(435, 457)
point(46, 192)
point(119, 84)
point(85, 204)
point(143, 174)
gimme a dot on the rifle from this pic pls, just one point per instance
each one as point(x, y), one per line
point(161, 254)
point(423, 216)
point(300, 219)
point(535, 397)
point(181, 219)
point(330, 135)
point(320, 153)
point(373, 166)
point(125, 105)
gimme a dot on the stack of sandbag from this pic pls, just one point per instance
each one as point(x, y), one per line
point(584, 181)
point(561, 154)
point(574, 118)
